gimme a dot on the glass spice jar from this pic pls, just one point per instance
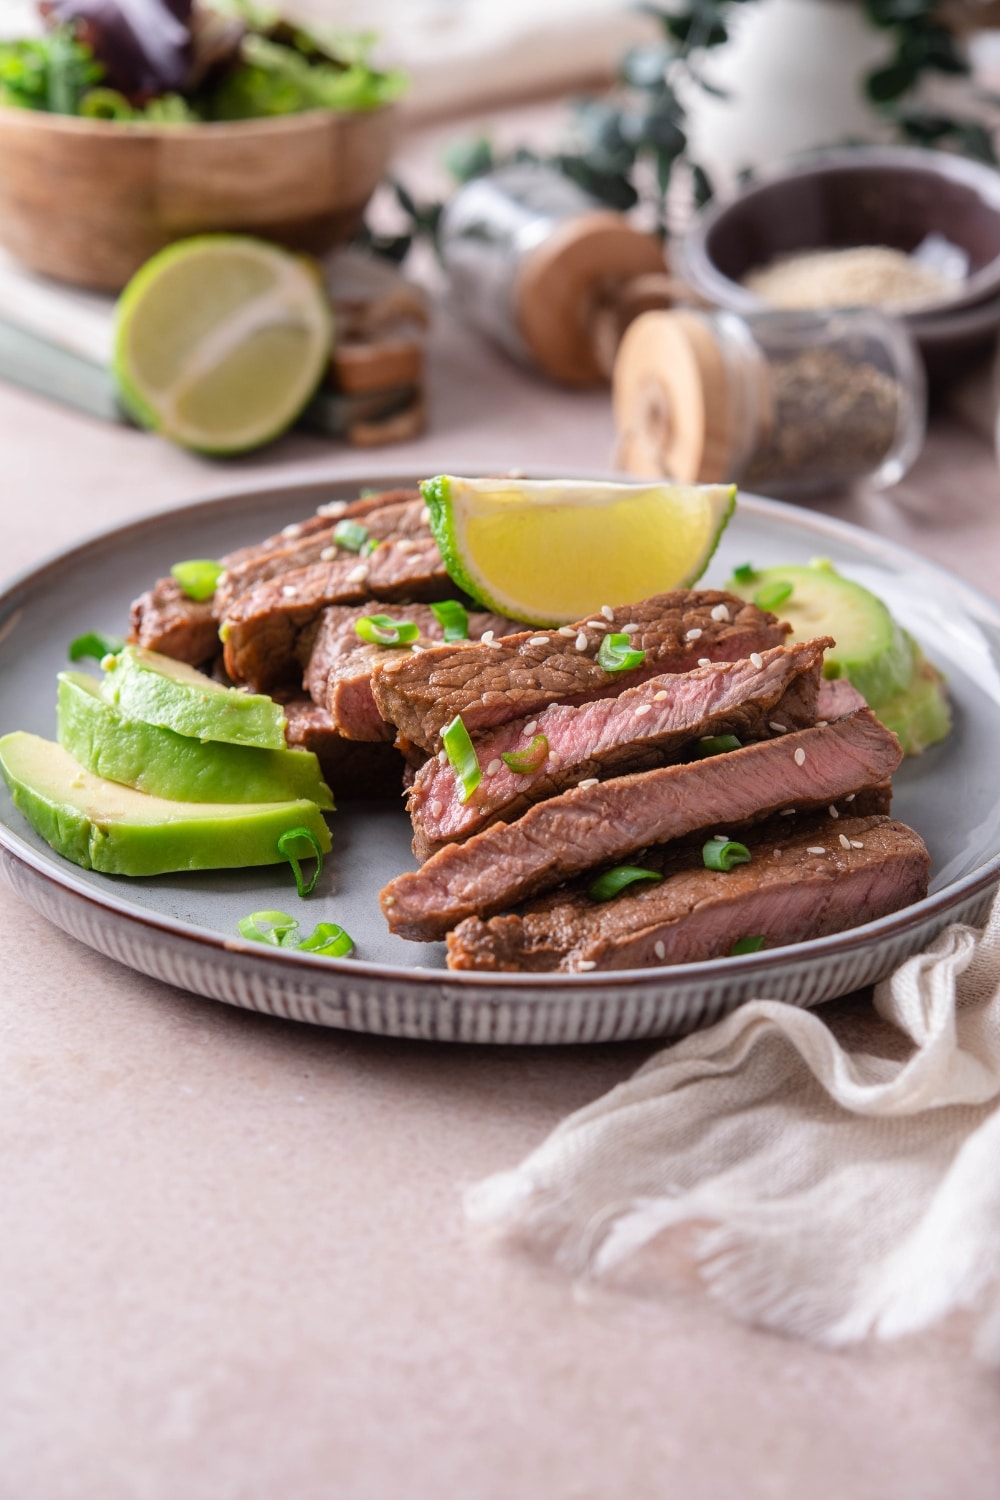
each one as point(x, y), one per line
point(785, 402)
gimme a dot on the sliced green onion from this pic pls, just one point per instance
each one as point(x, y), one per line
point(716, 744)
point(350, 535)
point(524, 762)
point(616, 654)
point(462, 754)
point(367, 548)
point(285, 842)
point(94, 645)
point(745, 573)
point(723, 854)
point(773, 594)
point(614, 881)
point(383, 630)
point(746, 945)
point(197, 577)
point(328, 939)
point(453, 618)
point(274, 927)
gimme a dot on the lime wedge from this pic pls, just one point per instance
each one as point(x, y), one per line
point(220, 341)
point(553, 550)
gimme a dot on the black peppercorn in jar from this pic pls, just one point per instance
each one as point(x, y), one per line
point(790, 403)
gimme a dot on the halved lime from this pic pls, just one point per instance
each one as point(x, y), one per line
point(220, 341)
point(551, 551)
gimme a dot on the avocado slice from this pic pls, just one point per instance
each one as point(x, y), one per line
point(167, 764)
point(158, 690)
point(871, 650)
point(104, 826)
point(920, 715)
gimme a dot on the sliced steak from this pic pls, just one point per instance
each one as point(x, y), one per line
point(643, 727)
point(340, 665)
point(352, 770)
point(598, 825)
point(520, 675)
point(836, 698)
point(164, 619)
point(799, 885)
point(399, 514)
point(268, 630)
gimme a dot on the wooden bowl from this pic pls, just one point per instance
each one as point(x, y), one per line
point(88, 201)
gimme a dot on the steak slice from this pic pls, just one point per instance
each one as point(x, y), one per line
point(268, 630)
point(164, 619)
point(599, 825)
point(351, 769)
point(836, 698)
point(521, 674)
point(399, 513)
point(799, 885)
point(643, 727)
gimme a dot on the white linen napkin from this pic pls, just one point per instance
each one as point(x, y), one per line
point(844, 1177)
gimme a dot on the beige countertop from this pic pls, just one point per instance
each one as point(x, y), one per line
point(232, 1258)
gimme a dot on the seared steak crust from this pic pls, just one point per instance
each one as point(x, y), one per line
point(521, 674)
point(643, 727)
point(789, 893)
point(593, 826)
point(164, 619)
point(263, 630)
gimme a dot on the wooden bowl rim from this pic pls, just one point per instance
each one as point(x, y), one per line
point(272, 125)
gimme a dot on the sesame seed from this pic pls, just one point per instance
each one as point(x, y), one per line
point(589, 781)
point(850, 797)
point(294, 530)
point(587, 963)
point(496, 645)
point(581, 641)
point(799, 757)
point(332, 508)
point(442, 757)
point(436, 808)
point(786, 812)
point(416, 650)
point(631, 628)
point(777, 853)
point(659, 697)
point(487, 637)
point(833, 811)
point(358, 574)
point(390, 901)
point(607, 611)
point(567, 630)
point(328, 554)
point(757, 659)
point(530, 728)
point(816, 849)
point(721, 613)
point(554, 759)
point(425, 516)
point(288, 591)
point(407, 544)
point(539, 640)
point(778, 728)
point(495, 765)
point(644, 708)
point(845, 842)
point(723, 836)
point(597, 624)
point(856, 844)
point(822, 723)
point(704, 661)
point(660, 949)
point(693, 635)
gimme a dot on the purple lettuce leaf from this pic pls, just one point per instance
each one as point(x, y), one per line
point(144, 46)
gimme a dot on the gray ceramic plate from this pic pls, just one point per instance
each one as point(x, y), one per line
point(183, 928)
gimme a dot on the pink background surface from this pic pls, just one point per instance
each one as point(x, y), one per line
point(232, 1258)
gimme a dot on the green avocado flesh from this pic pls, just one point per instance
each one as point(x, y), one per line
point(119, 831)
point(871, 650)
point(919, 716)
point(166, 764)
point(171, 695)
